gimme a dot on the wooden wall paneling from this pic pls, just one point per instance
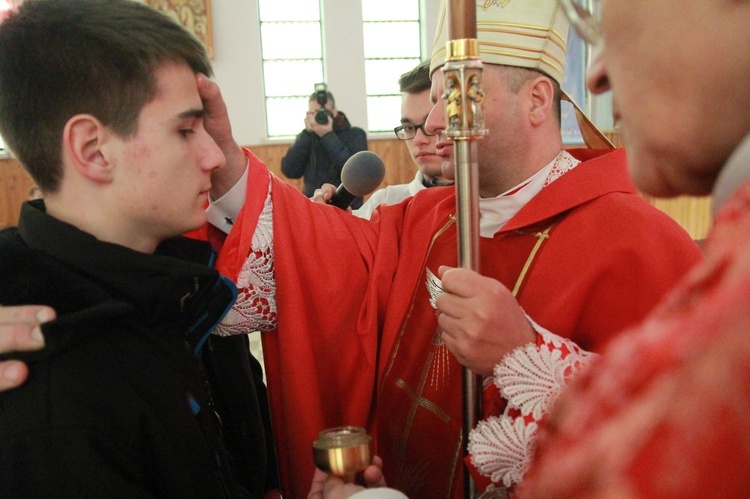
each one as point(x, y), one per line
point(15, 184)
point(271, 155)
point(399, 167)
point(692, 213)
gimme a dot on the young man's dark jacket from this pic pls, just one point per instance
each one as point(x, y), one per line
point(320, 159)
point(132, 393)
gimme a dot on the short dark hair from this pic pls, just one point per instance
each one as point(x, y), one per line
point(59, 58)
point(515, 77)
point(329, 96)
point(417, 80)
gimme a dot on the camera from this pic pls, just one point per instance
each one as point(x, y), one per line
point(321, 95)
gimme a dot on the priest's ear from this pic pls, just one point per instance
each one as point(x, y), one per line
point(82, 148)
point(542, 99)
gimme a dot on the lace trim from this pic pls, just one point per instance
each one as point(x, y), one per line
point(530, 378)
point(255, 308)
point(563, 164)
point(501, 448)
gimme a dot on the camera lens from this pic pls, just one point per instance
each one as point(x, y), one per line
point(321, 116)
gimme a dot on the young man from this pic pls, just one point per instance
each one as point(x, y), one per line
point(101, 104)
point(415, 106)
point(564, 235)
point(320, 150)
point(664, 412)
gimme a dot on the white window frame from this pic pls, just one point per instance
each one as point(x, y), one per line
point(346, 78)
point(394, 96)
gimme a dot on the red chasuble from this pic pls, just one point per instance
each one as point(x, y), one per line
point(586, 258)
point(664, 412)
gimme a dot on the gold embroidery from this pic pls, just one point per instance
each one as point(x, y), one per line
point(541, 238)
point(440, 374)
point(451, 221)
point(412, 478)
point(495, 3)
point(482, 26)
point(551, 61)
point(419, 400)
point(457, 454)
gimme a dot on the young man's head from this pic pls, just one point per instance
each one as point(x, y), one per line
point(415, 106)
point(99, 101)
point(681, 88)
point(521, 86)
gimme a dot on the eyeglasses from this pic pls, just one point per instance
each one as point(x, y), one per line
point(581, 15)
point(408, 132)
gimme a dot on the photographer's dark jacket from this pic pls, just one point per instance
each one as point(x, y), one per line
point(117, 404)
point(320, 159)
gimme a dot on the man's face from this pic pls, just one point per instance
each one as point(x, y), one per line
point(672, 80)
point(414, 111)
point(506, 145)
point(162, 174)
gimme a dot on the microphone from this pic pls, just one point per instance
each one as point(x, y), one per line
point(361, 174)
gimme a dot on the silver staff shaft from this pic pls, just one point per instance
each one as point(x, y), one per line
point(464, 96)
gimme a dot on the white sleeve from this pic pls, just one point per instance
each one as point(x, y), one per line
point(255, 307)
point(530, 378)
point(365, 211)
point(222, 212)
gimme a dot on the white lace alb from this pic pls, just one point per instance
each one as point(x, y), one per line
point(255, 308)
point(530, 378)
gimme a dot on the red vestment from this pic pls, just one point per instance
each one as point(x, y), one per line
point(587, 255)
point(664, 412)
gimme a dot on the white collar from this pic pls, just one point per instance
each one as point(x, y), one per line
point(733, 174)
point(495, 212)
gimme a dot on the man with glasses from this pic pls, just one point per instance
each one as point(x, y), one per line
point(415, 105)
point(664, 412)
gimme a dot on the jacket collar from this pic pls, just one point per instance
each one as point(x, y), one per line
point(172, 287)
point(341, 122)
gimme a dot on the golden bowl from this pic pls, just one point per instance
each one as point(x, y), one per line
point(343, 451)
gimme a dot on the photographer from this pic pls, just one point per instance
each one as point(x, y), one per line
point(322, 148)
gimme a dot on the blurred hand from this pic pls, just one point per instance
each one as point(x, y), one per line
point(318, 129)
point(19, 330)
point(309, 120)
point(324, 194)
point(217, 124)
point(480, 319)
point(325, 486)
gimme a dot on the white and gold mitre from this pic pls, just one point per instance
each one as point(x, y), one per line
point(523, 33)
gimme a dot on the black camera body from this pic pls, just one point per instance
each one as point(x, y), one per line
point(321, 96)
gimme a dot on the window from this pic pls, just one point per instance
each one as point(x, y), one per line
point(3, 151)
point(392, 35)
point(290, 70)
point(574, 84)
point(294, 58)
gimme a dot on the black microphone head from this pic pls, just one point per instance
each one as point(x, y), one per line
point(362, 173)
